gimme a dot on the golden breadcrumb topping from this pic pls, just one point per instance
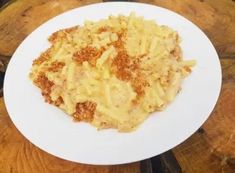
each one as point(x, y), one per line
point(85, 111)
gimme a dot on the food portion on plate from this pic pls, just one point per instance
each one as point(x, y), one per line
point(112, 73)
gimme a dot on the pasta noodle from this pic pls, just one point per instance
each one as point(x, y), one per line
point(112, 73)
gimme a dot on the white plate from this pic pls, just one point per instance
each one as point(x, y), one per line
point(54, 132)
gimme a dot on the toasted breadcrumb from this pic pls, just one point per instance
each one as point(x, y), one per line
point(85, 111)
point(56, 66)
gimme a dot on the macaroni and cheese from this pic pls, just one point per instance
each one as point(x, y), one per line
point(112, 73)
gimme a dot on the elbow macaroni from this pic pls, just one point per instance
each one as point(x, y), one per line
point(112, 73)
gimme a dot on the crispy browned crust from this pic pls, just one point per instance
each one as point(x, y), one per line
point(56, 66)
point(59, 101)
point(42, 58)
point(127, 68)
point(89, 54)
point(61, 34)
point(45, 85)
point(104, 29)
point(85, 111)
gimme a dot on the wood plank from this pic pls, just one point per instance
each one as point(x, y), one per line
point(215, 17)
point(20, 18)
point(212, 149)
point(195, 156)
point(18, 155)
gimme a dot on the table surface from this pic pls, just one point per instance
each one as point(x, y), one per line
point(211, 149)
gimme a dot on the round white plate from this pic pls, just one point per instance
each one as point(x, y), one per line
point(54, 132)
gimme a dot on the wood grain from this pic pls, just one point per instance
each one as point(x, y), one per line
point(18, 155)
point(21, 17)
point(215, 17)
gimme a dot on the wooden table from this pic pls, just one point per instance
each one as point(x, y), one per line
point(210, 150)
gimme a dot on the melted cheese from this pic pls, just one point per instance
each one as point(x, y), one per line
point(120, 69)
